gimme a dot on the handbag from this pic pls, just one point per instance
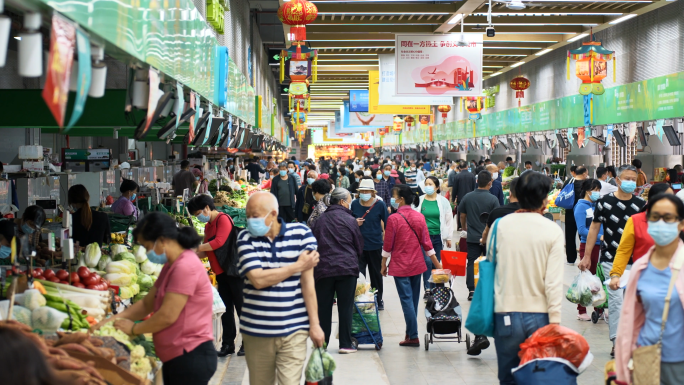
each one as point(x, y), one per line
point(227, 255)
point(645, 362)
point(480, 319)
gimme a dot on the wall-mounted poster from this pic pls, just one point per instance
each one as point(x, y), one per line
point(363, 120)
point(358, 100)
point(387, 87)
point(439, 65)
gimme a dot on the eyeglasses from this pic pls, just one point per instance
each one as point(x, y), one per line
point(667, 218)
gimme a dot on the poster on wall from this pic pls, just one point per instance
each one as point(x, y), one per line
point(387, 87)
point(358, 100)
point(438, 65)
point(375, 107)
point(363, 121)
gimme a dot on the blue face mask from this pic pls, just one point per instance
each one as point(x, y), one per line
point(156, 258)
point(132, 198)
point(291, 170)
point(365, 197)
point(394, 203)
point(628, 186)
point(357, 180)
point(595, 196)
point(257, 226)
point(283, 172)
point(429, 190)
point(387, 173)
point(203, 218)
point(196, 178)
point(378, 176)
point(26, 229)
point(663, 233)
point(5, 251)
point(310, 180)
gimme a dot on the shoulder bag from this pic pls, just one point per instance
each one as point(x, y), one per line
point(371, 208)
point(409, 225)
point(480, 319)
point(645, 362)
point(227, 255)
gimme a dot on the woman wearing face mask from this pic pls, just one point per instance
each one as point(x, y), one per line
point(584, 214)
point(440, 223)
point(88, 226)
point(343, 180)
point(181, 300)
point(406, 238)
point(30, 223)
point(199, 180)
point(124, 205)
point(340, 246)
point(354, 187)
point(320, 188)
point(219, 242)
point(7, 229)
point(371, 216)
point(655, 285)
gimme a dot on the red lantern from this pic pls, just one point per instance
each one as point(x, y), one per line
point(520, 84)
point(444, 109)
point(296, 14)
point(409, 121)
point(383, 130)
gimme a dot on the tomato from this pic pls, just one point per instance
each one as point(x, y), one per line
point(64, 282)
point(78, 284)
point(53, 279)
point(49, 273)
point(90, 281)
point(75, 278)
point(38, 277)
point(91, 287)
point(83, 272)
point(37, 271)
point(63, 275)
point(97, 276)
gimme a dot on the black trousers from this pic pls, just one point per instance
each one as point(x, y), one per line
point(230, 290)
point(344, 286)
point(475, 250)
point(372, 259)
point(287, 213)
point(570, 236)
point(195, 367)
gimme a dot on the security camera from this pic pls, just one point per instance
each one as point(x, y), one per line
point(490, 31)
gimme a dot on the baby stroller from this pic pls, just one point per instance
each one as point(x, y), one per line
point(594, 314)
point(443, 314)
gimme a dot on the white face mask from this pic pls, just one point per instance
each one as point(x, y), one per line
point(495, 175)
point(367, 173)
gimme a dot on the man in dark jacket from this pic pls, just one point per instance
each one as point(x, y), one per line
point(305, 199)
point(254, 168)
point(581, 174)
point(496, 189)
point(284, 187)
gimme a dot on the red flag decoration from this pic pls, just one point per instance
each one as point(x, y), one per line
point(60, 61)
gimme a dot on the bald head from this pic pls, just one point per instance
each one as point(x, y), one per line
point(501, 165)
point(261, 203)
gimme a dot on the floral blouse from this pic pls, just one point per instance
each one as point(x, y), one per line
point(317, 211)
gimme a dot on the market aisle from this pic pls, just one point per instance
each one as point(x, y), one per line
point(445, 361)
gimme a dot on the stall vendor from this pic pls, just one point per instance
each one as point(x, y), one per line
point(124, 205)
point(30, 224)
point(7, 229)
point(88, 226)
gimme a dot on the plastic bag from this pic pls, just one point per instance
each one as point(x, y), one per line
point(599, 298)
point(440, 276)
point(361, 285)
point(583, 288)
point(48, 319)
point(320, 367)
point(359, 327)
point(555, 341)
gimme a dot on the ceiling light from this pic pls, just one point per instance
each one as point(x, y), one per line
point(623, 18)
point(543, 51)
point(455, 19)
point(548, 14)
point(496, 74)
point(580, 36)
point(518, 64)
point(347, 54)
point(353, 40)
point(18, 37)
point(383, 13)
point(541, 23)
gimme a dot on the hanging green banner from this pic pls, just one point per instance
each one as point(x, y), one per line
point(84, 78)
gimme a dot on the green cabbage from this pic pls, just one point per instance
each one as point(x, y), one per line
point(140, 254)
point(149, 267)
point(104, 261)
point(117, 249)
point(126, 292)
point(121, 280)
point(121, 267)
point(145, 282)
point(125, 256)
point(19, 313)
point(92, 254)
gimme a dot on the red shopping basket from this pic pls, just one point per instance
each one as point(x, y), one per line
point(454, 261)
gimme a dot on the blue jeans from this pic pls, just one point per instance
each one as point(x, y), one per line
point(409, 294)
point(437, 246)
point(507, 339)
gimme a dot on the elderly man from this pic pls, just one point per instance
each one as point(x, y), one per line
point(284, 188)
point(276, 260)
point(496, 189)
point(305, 199)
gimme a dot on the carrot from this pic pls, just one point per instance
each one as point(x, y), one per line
point(91, 320)
point(39, 286)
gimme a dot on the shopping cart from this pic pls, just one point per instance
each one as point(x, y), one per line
point(366, 324)
point(444, 324)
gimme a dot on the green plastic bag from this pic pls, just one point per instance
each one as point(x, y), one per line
point(320, 367)
point(359, 327)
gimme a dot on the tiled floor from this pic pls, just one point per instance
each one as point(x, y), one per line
point(444, 363)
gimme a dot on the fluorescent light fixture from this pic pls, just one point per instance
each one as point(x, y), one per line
point(549, 14)
point(352, 40)
point(623, 18)
point(492, 47)
point(383, 13)
point(492, 66)
point(580, 36)
point(496, 74)
point(18, 37)
point(517, 64)
point(455, 19)
point(532, 24)
point(543, 51)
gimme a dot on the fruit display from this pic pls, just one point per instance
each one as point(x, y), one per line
point(119, 238)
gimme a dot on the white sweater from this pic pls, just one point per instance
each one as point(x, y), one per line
point(530, 254)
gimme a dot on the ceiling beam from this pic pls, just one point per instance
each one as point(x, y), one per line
point(385, 8)
point(585, 19)
point(499, 38)
point(465, 8)
point(401, 28)
point(435, 21)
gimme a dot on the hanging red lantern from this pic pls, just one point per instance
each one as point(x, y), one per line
point(409, 121)
point(520, 84)
point(296, 14)
point(444, 109)
point(383, 130)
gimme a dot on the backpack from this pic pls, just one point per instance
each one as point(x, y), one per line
point(566, 197)
point(227, 255)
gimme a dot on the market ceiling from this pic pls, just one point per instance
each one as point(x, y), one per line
point(350, 34)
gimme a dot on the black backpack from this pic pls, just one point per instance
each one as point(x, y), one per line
point(227, 255)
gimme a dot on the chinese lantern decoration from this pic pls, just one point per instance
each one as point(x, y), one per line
point(409, 121)
point(474, 104)
point(297, 14)
point(520, 84)
point(591, 66)
point(398, 124)
point(383, 130)
point(444, 109)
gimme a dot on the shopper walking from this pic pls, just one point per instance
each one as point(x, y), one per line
point(462, 183)
point(388, 178)
point(340, 246)
point(180, 303)
point(642, 179)
point(305, 201)
point(440, 223)
point(653, 309)
point(497, 188)
point(320, 188)
point(343, 179)
point(284, 189)
point(124, 205)
point(584, 215)
point(220, 241)
point(613, 211)
point(469, 209)
point(254, 169)
point(277, 261)
point(635, 241)
point(406, 238)
point(87, 226)
point(201, 184)
point(292, 171)
point(502, 211)
point(570, 224)
point(602, 176)
point(357, 175)
point(381, 186)
point(529, 272)
point(371, 216)
point(184, 179)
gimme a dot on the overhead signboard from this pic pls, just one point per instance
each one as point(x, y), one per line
point(387, 87)
point(362, 121)
point(376, 108)
point(358, 100)
point(438, 65)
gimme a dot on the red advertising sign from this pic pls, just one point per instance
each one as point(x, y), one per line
point(60, 60)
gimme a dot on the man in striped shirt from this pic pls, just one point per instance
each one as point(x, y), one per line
point(280, 310)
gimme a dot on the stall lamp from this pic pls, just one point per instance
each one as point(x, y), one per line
point(141, 90)
point(5, 27)
point(31, 47)
point(99, 72)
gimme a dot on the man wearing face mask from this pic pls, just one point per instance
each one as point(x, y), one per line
point(7, 229)
point(305, 199)
point(496, 189)
point(220, 238)
point(277, 260)
point(292, 171)
point(284, 188)
point(253, 169)
point(387, 177)
point(613, 211)
point(183, 179)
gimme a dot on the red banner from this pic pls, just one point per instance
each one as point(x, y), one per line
point(60, 61)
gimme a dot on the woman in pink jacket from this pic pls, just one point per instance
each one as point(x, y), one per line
point(645, 296)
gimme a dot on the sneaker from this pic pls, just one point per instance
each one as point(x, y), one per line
point(241, 352)
point(347, 350)
point(410, 342)
point(470, 295)
point(381, 305)
point(226, 350)
point(481, 343)
point(584, 317)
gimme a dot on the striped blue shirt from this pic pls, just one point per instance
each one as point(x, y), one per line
point(278, 310)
